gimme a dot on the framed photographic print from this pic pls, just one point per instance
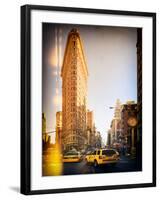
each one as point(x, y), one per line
point(88, 99)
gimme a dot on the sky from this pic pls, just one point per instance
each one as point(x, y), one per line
point(110, 54)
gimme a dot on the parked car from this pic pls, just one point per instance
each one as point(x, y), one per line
point(103, 156)
point(72, 156)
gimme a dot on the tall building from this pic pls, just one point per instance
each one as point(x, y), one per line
point(115, 128)
point(90, 119)
point(128, 110)
point(74, 75)
point(117, 120)
point(58, 127)
point(44, 134)
point(98, 140)
point(139, 93)
point(43, 125)
point(46, 139)
point(109, 138)
point(90, 128)
point(117, 111)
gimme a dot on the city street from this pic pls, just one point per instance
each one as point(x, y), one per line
point(125, 164)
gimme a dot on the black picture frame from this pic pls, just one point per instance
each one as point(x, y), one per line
point(26, 98)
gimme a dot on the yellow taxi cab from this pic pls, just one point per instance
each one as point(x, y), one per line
point(103, 156)
point(72, 156)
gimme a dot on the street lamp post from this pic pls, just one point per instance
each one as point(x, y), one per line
point(132, 122)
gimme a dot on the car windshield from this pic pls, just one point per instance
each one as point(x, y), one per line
point(89, 152)
point(108, 152)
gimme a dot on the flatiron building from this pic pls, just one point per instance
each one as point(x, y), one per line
point(74, 75)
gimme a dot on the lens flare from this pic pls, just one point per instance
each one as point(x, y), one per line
point(57, 100)
point(53, 57)
point(53, 165)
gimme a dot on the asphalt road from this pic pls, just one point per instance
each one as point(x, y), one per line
point(125, 164)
